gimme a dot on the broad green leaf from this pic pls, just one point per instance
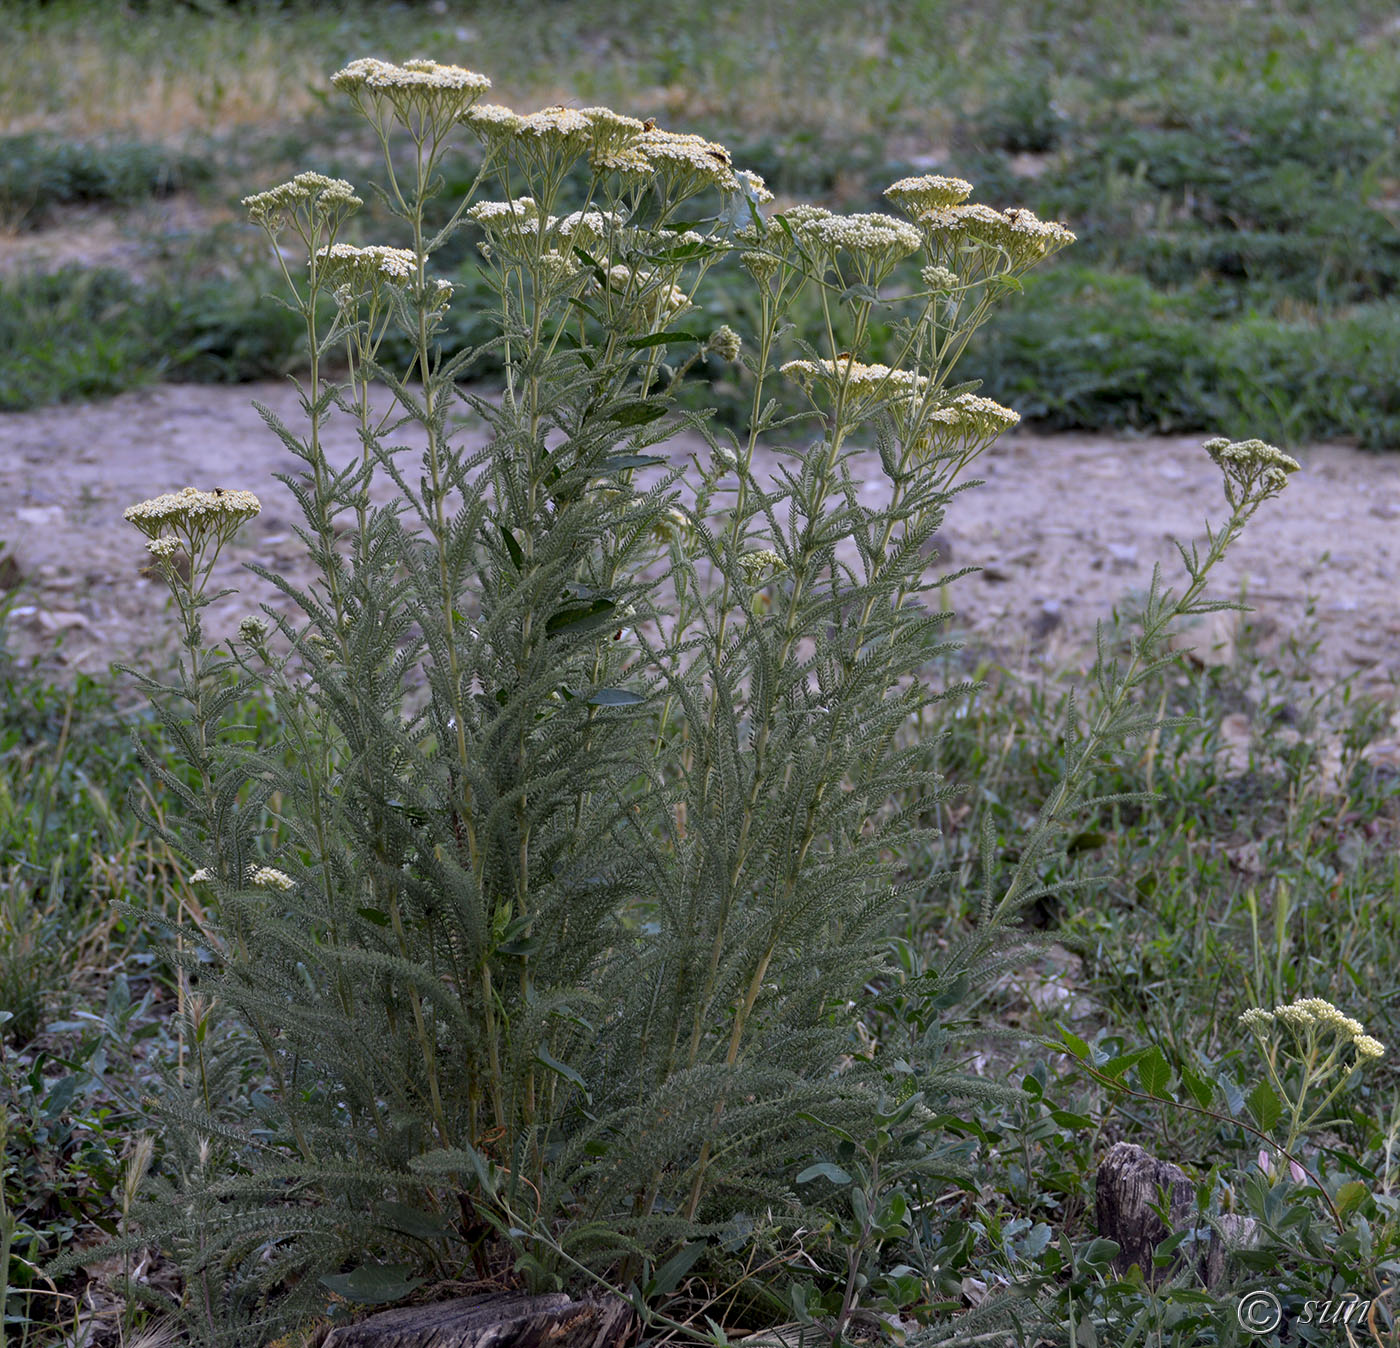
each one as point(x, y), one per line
point(374, 1284)
point(637, 413)
point(1198, 1087)
point(662, 339)
point(668, 1277)
point(824, 1170)
point(1154, 1072)
point(1350, 1197)
point(413, 1221)
point(618, 462)
point(615, 697)
point(543, 1056)
point(1264, 1105)
point(576, 622)
point(1101, 1252)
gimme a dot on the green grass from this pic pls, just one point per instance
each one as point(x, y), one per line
point(40, 173)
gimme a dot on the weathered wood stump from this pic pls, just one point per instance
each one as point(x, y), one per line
point(502, 1320)
point(1129, 1185)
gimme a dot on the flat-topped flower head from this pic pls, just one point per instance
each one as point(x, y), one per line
point(879, 239)
point(1257, 1020)
point(163, 548)
point(555, 268)
point(760, 566)
point(559, 130)
point(1023, 237)
point(1028, 238)
point(965, 421)
point(367, 268)
point(307, 191)
point(1366, 1047)
point(1315, 1014)
point(371, 73)
point(415, 90)
point(587, 229)
point(190, 511)
point(505, 214)
point(801, 220)
point(930, 192)
point(1252, 468)
point(687, 163)
point(974, 223)
point(269, 877)
point(612, 136)
point(858, 379)
point(494, 124)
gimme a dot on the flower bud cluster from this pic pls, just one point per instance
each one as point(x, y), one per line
point(1314, 1013)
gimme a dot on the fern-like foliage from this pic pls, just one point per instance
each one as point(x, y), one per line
point(542, 924)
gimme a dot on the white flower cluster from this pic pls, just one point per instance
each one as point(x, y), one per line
point(756, 567)
point(520, 218)
point(558, 129)
point(419, 87)
point(191, 509)
point(1252, 465)
point(163, 547)
point(930, 192)
point(880, 238)
point(555, 268)
point(690, 162)
point(504, 213)
point(725, 343)
point(362, 268)
point(1019, 233)
point(370, 73)
point(1310, 1013)
point(493, 123)
point(752, 186)
point(858, 379)
point(253, 630)
point(973, 417)
point(938, 279)
point(269, 877)
point(270, 209)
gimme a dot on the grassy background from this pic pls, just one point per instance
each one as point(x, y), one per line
point(1232, 173)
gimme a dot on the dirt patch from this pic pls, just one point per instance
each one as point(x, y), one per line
point(1064, 528)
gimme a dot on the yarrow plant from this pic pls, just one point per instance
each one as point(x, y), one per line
point(547, 918)
point(1306, 1045)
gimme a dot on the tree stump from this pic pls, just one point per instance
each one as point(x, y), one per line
point(1129, 1186)
point(501, 1320)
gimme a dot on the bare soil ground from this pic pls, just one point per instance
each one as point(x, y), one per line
point(1063, 530)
